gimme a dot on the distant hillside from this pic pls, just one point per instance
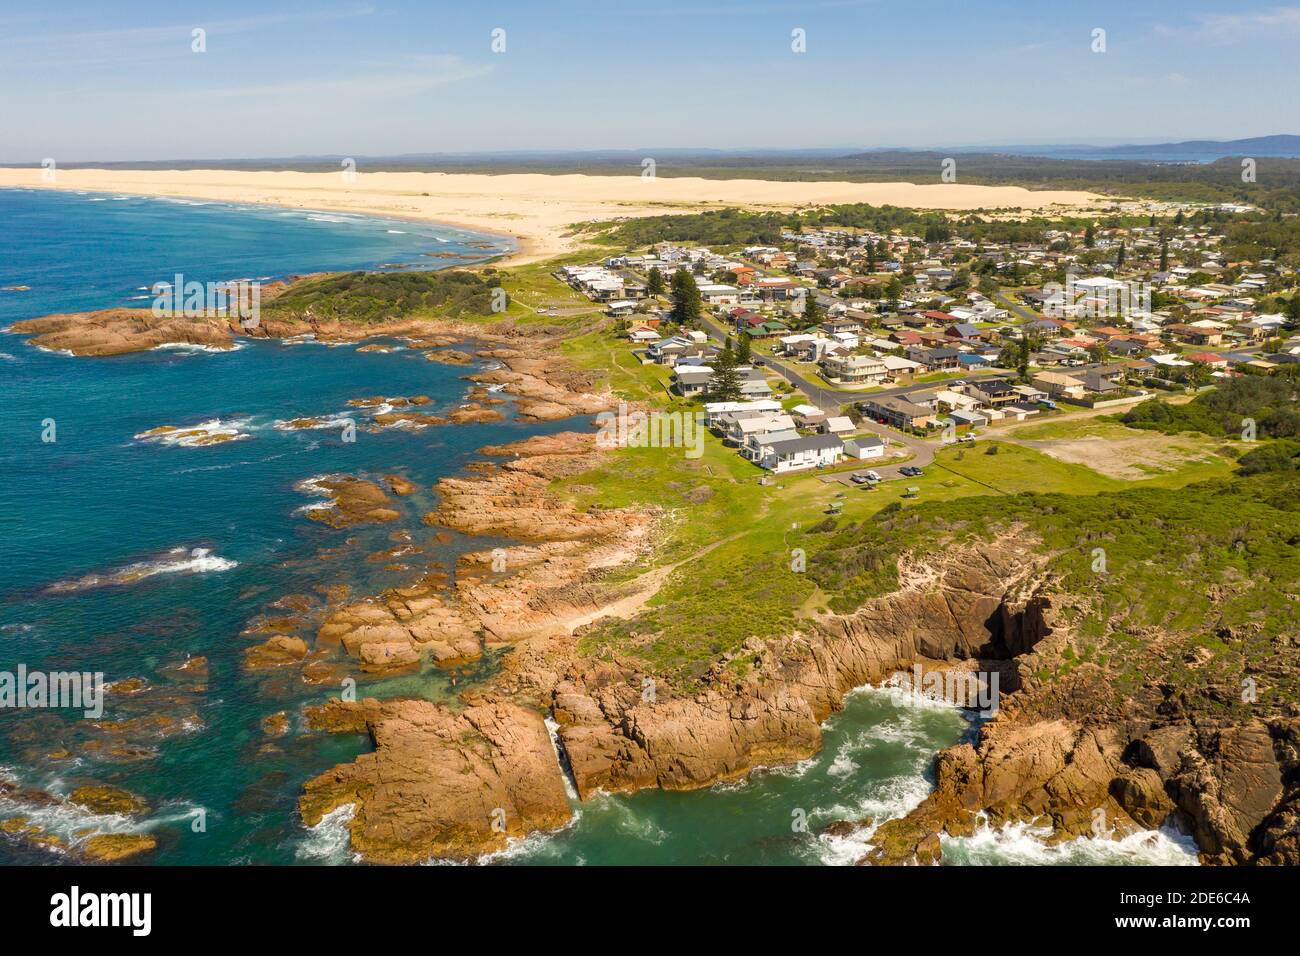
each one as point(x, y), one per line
point(1285, 145)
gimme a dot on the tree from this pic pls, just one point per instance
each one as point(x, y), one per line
point(1119, 257)
point(894, 292)
point(1164, 256)
point(1293, 311)
point(812, 311)
point(655, 282)
point(1088, 236)
point(1018, 354)
point(745, 349)
point(687, 305)
point(725, 384)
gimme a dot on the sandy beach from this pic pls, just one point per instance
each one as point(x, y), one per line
point(538, 210)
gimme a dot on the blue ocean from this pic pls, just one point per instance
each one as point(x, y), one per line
point(130, 556)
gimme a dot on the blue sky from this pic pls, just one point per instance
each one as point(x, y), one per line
point(87, 80)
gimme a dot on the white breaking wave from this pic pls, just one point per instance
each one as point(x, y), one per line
point(175, 561)
point(191, 346)
point(1024, 844)
point(330, 841)
point(334, 421)
point(74, 824)
point(212, 432)
point(553, 729)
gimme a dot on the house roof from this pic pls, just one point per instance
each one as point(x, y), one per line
point(790, 446)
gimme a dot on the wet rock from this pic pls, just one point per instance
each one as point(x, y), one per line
point(109, 800)
point(441, 784)
point(276, 652)
point(115, 847)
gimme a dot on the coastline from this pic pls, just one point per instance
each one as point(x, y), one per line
point(536, 210)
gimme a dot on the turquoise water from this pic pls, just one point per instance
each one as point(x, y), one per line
point(219, 526)
point(220, 530)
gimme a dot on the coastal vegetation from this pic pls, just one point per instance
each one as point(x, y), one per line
point(368, 298)
point(735, 540)
point(1246, 233)
point(1267, 404)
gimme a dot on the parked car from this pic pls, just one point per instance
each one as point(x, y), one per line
point(858, 478)
point(911, 471)
point(966, 439)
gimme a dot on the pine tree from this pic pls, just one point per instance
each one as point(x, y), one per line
point(1293, 311)
point(687, 306)
point(655, 282)
point(1119, 258)
point(894, 292)
point(745, 349)
point(725, 384)
point(1164, 256)
point(1088, 237)
point(812, 311)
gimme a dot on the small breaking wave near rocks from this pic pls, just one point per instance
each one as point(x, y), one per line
point(176, 561)
point(212, 432)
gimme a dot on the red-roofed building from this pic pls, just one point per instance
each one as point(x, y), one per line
point(1211, 359)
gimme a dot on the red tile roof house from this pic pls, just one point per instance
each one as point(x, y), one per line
point(935, 315)
point(1109, 332)
point(1207, 358)
point(905, 337)
point(1194, 335)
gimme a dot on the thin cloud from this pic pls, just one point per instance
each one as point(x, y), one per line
point(1235, 27)
point(125, 39)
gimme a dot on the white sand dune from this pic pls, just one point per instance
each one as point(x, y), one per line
point(535, 208)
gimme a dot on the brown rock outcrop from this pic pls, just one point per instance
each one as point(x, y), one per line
point(353, 501)
point(278, 651)
point(441, 784)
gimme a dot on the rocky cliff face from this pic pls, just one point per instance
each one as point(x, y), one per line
point(620, 735)
point(440, 784)
point(1052, 755)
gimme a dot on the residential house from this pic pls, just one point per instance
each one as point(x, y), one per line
point(898, 412)
point(864, 447)
point(692, 380)
point(837, 425)
point(851, 368)
point(799, 453)
point(1059, 385)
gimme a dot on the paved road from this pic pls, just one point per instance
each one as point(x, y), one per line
point(1023, 311)
point(830, 401)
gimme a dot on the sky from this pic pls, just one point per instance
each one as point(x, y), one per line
point(86, 80)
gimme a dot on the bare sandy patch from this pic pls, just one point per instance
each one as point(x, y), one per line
point(538, 210)
point(1129, 458)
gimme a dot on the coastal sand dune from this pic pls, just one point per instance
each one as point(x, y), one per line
point(537, 209)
